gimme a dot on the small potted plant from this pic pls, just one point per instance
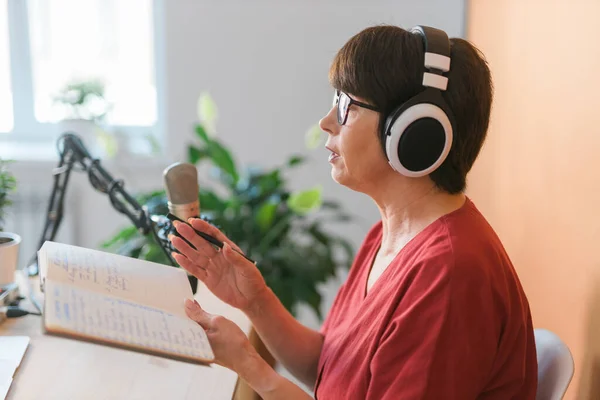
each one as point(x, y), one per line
point(9, 242)
point(83, 107)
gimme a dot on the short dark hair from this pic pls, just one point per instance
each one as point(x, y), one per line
point(384, 65)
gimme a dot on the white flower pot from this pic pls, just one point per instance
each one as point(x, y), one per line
point(9, 255)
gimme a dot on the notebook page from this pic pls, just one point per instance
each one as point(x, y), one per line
point(97, 316)
point(144, 282)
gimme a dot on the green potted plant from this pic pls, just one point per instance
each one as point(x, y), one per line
point(7, 185)
point(82, 107)
point(9, 242)
point(82, 100)
point(283, 230)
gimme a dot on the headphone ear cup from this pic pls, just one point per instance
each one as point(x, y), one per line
point(418, 136)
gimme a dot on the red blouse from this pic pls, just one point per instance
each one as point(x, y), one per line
point(448, 319)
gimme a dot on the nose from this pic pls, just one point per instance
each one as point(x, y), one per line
point(329, 122)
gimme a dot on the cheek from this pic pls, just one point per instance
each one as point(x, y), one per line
point(365, 156)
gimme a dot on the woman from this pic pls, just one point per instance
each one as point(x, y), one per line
point(432, 307)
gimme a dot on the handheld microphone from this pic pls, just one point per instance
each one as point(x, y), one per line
point(181, 185)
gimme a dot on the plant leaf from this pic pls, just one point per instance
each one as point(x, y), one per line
point(265, 215)
point(210, 201)
point(195, 154)
point(201, 132)
point(124, 234)
point(295, 161)
point(305, 201)
point(313, 137)
point(207, 112)
point(222, 159)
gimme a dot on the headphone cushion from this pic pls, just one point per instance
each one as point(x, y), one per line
point(421, 144)
point(417, 136)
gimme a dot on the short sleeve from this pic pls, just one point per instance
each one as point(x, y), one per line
point(442, 339)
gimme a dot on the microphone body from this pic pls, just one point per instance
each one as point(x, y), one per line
point(181, 185)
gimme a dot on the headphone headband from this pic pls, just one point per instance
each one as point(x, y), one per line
point(437, 56)
point(418, 134)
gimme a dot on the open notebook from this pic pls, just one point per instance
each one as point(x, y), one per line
point(119, 301)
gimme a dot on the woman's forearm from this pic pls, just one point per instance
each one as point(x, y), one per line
point(295, 346)
point(267, 383)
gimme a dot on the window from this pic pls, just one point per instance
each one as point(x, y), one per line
point(65, 41)
point(6, 112)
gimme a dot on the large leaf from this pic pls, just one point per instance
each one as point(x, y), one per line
point(272, 235)
point(218, 154)
point(195, 154)
point(305, 201)
point(123, 235)
point(318, 234)
point(348, 249)
point(265, 215)
point(201, 132)
point(210, 201)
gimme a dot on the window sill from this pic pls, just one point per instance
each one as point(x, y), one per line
point(43, 155)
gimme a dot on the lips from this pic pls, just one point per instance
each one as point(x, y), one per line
point(334, 155)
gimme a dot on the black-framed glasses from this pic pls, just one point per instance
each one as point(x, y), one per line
point(343, 102)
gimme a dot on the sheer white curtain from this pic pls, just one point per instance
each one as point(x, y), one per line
point(6, 111)
point(109, 40)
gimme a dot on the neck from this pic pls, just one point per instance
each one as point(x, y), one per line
point(409, 205)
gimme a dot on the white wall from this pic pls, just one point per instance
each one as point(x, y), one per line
point(266, 65)
point(265, 62)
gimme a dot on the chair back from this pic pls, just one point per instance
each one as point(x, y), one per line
point(555, 365)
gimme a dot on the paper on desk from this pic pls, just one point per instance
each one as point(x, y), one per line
point(12, 350)
point(4, 388)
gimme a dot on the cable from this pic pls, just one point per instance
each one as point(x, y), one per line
point(15, 312)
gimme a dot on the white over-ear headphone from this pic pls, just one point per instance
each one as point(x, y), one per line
point(417, 135)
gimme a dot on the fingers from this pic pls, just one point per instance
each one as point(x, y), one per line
point(233, 256)
point(204, 226)
point(192, 254)
point(196, 313)
point(201, 245)
point(190, 267)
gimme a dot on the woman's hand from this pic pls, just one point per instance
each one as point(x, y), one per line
point(230, 345)
point(226, 273)
point(233, 350)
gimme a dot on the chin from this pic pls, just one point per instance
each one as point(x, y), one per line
point(341, 177)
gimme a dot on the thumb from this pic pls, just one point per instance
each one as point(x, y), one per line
point(196, 313)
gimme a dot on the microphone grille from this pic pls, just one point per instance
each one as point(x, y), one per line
point(181, 183)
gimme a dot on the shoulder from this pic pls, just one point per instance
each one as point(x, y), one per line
point(460, 249)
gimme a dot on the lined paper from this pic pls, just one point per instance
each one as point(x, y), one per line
point(140, 281)
point(111, 319)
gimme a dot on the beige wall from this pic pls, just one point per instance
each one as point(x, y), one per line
point(538, 177)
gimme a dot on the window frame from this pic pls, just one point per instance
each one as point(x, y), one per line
point(26, 128)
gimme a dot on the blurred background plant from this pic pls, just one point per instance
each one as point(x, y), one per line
point(283, 230)
point(82, 99)
point(8, 184)
point(83, 107)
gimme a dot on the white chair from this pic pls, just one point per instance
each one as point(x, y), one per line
point(555, 365)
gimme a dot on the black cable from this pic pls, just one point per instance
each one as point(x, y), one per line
point(16, 312)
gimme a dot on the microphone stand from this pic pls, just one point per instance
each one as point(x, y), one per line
point(74, 153)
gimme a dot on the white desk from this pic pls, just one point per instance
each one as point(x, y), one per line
point(60, 368)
